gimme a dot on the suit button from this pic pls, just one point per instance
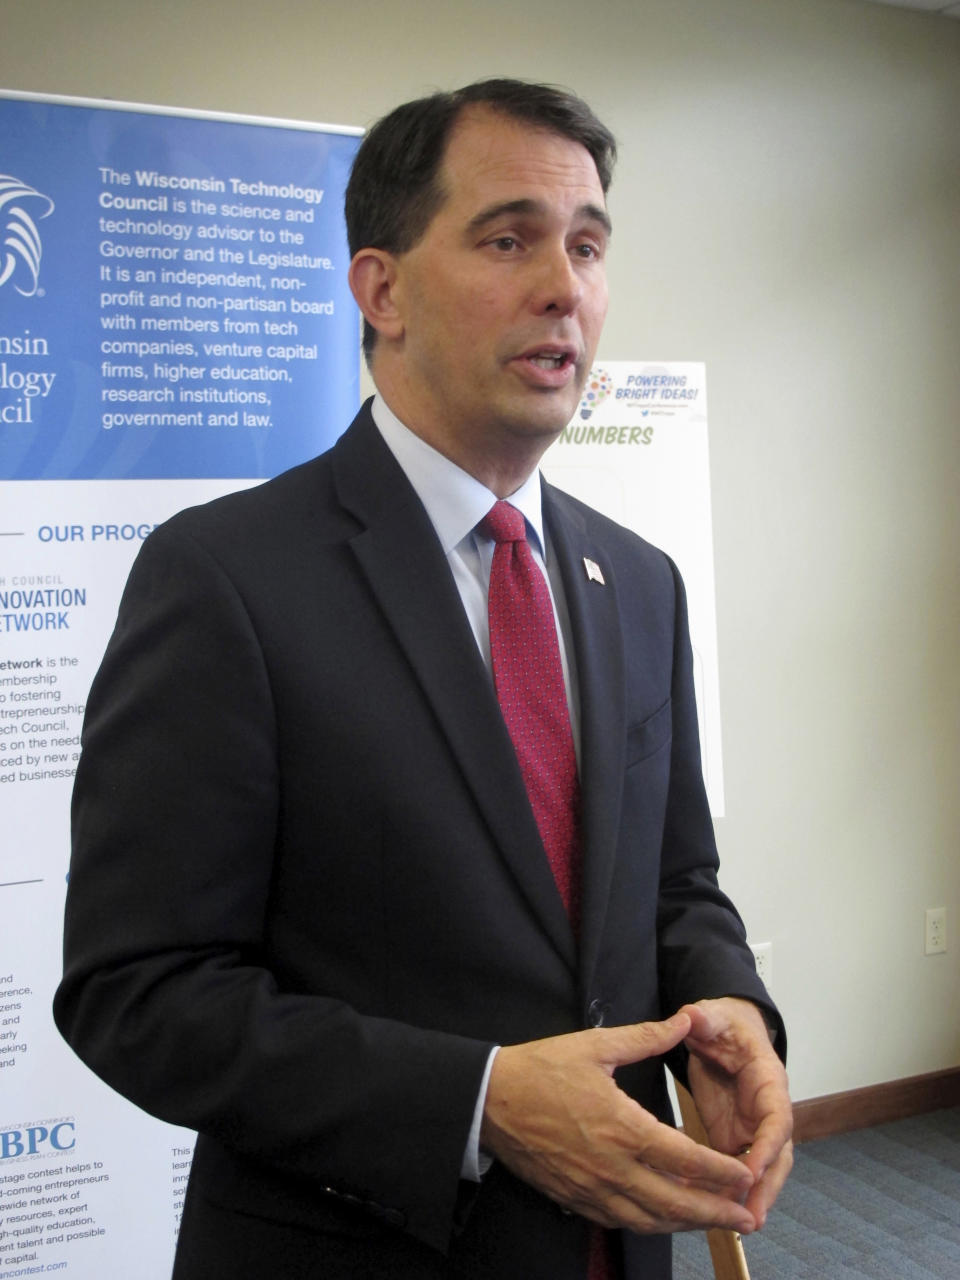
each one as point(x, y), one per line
point(596, 1013)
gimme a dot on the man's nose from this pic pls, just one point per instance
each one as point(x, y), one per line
point(558, 286)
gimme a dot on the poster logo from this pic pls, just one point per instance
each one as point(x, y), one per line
point(598, 386)
point(21, 248)
point(41, 1138)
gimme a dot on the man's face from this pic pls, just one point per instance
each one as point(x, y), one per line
point(503, 298)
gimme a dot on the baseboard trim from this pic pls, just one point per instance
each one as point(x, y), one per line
point(875, 1104)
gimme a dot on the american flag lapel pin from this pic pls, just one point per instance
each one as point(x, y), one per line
point(593, 571)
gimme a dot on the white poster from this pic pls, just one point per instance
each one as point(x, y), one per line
point(174, 324)
point(637, 451)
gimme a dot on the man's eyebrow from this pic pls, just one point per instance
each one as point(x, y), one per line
point(526, 207)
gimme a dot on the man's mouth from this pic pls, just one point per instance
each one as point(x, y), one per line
point(546, 360)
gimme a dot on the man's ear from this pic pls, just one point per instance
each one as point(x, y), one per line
point(373, 279)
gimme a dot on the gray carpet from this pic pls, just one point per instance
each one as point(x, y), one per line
point(876, 1204)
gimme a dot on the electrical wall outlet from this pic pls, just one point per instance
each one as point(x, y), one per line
point(935, 931)
point(763, 956)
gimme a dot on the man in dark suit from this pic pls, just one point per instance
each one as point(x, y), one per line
point(314, 912)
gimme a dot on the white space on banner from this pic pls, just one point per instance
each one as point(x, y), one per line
point(637, 451)
point(174, 324)
point(85, 1178)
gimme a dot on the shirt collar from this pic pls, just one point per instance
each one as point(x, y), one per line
point(454, 500)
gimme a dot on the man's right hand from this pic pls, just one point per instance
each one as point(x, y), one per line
point(556, 1118)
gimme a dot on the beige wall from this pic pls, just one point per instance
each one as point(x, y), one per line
point(787, 209)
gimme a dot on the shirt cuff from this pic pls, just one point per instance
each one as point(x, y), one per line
point(476, 1162)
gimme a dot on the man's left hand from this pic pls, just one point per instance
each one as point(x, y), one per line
point(740, 1088)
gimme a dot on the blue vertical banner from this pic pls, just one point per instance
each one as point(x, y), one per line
point(173, 293)
point(175, 322)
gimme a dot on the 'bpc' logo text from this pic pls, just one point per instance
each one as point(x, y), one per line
point(38, 1139)
point(21, 239)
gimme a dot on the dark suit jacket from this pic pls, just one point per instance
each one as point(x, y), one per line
point(308, 894)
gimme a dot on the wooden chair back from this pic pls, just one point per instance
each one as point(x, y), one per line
point(726, 1247)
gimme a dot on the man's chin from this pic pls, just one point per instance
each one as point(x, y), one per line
point(544, 416)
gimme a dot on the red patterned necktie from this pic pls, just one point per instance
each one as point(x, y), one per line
point(528, 676)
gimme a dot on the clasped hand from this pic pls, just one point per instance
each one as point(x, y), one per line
point(555, 1117)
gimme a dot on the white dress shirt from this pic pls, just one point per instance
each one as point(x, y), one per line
point(456, 502)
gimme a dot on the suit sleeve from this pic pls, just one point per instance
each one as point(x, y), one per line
point(702, 945)
point(169, 991)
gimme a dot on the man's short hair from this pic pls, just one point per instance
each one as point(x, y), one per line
point(394, 188)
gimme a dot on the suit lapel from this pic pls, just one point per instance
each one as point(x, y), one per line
point(598, 644)
point(398, 552)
